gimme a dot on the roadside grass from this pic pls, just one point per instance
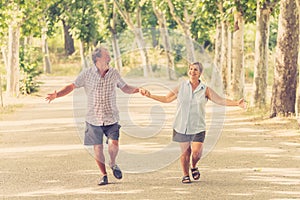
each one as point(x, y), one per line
point(66, 69)
point(9, 109)
point(262, 116)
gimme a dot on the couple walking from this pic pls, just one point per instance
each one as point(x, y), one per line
point(100, 82)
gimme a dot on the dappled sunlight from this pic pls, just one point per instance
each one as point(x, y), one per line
point(241, 194)
point(31, 122)
point(145, 147)
point(260, 150)
point(29, 149)
point(85, 172)
point(278, 176)
point(71, 191)
point(275, 180)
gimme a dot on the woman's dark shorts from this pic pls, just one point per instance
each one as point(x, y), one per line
point(179, 137)
point(94, 134)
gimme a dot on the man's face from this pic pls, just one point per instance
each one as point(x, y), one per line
point(105, 56)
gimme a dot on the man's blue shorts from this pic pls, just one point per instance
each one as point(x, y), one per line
point(94, 134)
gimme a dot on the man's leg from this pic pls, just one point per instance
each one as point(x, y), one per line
point(113, 149)
point(100, 159)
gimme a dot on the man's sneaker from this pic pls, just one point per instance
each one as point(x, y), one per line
point(116, 171)
point(103, 181)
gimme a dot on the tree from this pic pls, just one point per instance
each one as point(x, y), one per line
point(35, 25)
point(184, 14)
point(238, 80)
point(225, 59)
point(60, 10)
point(298, 94)
point(14, 19)
point(242, 13)
point(126, 10)
point(83, 21)
point(285, 73)
point(263, 13)
point(163, 27)
point(114, 24)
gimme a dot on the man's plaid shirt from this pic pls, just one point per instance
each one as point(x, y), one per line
point(101, 94)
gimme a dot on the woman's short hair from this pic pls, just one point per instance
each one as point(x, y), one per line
point(200, 66)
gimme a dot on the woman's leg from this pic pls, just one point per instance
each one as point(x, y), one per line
point(197, 148)
point(185, 157)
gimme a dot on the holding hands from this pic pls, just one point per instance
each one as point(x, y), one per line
point(144, 92)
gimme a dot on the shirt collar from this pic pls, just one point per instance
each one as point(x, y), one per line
point(95, 69)
point(200, 86)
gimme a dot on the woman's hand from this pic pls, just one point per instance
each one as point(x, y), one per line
point(242, 103)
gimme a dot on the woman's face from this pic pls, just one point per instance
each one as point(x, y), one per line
point(194, 72)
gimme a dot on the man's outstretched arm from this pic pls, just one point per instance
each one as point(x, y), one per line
point(64, 91)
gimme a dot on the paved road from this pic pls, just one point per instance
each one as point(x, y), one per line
point(42, 156)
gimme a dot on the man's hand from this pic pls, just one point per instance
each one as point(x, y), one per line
point(51, 97)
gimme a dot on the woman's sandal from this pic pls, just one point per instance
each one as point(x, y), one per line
point(195, 173)
point(186, 179)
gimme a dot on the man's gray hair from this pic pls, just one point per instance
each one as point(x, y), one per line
point(96, 53)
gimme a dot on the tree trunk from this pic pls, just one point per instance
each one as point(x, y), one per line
point(4, 56)
point(216, 80)
point(137, 30)
point(165, 40)
point(45, 50)
point(225, 56)
point(115, 44)
point(167, 46)
point(84, 63)
point(117, 53)
point(298, 95)
point(69, 41)
point(189, 45)
point(1, 94)
point(13, 70)
point(143, 52)
point(238, 57)
point(261, 56)
point(285, 73)
point(218, 45)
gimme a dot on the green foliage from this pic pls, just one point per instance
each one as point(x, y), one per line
point(149, 18)
point(29, 70)
point(207, 14)
point(107, 24)
point(181, 71)
point(83, 20)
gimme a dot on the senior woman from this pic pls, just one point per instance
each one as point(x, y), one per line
point(189, 124)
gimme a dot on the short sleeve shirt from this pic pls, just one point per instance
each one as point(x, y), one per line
point(190, 113)
point(101, 95)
